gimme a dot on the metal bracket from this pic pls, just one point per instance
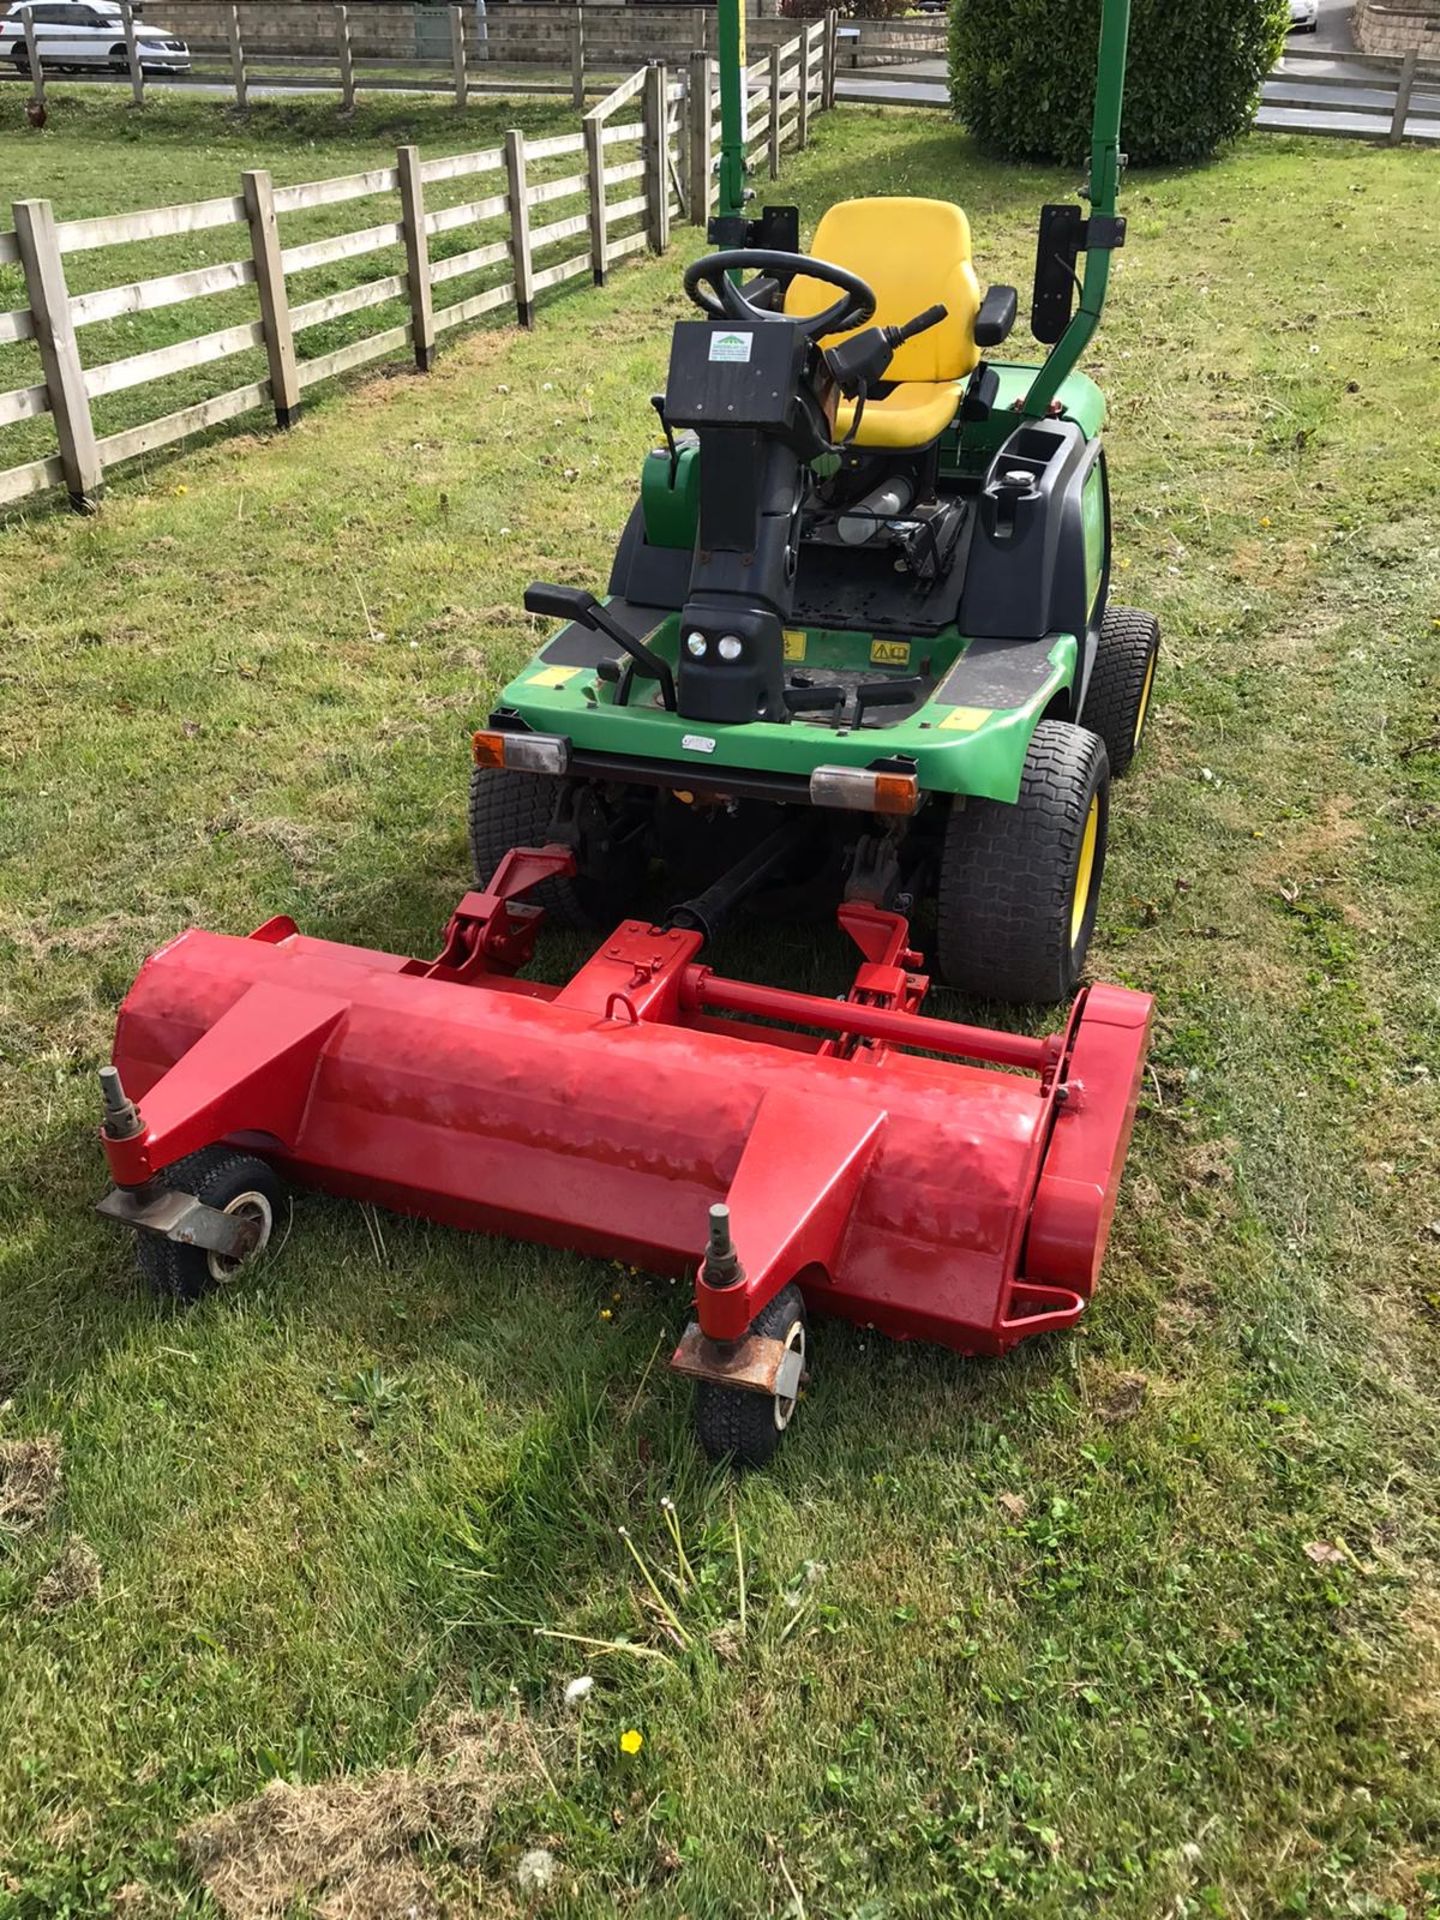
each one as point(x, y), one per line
point(1103, 230)
point(172, 1215)
point(754, 1365)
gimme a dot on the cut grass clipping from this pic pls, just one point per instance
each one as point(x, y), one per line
point(1143, 1622)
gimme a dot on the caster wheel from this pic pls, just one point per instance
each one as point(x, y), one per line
point(233, 1182)
point(746, 1428)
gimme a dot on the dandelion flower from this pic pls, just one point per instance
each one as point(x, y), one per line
point(579, 1690)
point(631, 1741)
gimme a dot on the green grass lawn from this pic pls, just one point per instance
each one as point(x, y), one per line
point(1139, 1622)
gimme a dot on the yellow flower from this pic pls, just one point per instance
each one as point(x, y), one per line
point(631, 1741)
point(1264, 519)
point(606, 1314)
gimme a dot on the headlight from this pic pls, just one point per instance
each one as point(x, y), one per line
point(695, 645)
point(730, 648)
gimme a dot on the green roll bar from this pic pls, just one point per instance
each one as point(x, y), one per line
point(1106, 162)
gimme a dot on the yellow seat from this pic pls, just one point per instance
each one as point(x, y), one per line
point(914, 254)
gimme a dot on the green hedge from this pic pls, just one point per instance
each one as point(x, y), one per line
point(1022, 74)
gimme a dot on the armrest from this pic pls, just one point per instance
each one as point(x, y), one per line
point(996, 316)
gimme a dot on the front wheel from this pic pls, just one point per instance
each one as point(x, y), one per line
point(510, 809)
point(746, 1428)
point(1020, 882)
point(1122, 680)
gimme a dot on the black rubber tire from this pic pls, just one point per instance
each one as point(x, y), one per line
point(218, 1176)
point(1005, 909)
point(509, 809)
point(21, 61)
point(1122, 683)
point(744, 1427)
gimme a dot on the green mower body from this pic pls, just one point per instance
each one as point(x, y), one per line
point(867, 579)
point(985, 677)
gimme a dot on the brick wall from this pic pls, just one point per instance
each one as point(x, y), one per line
point(1398, 29)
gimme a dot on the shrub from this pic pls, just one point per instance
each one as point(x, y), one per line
point(1022, 74)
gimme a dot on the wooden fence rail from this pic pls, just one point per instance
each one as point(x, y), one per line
point(643, 157)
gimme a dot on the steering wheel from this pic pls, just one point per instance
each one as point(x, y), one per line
point(708, 283)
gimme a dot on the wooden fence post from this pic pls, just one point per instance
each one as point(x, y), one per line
point(59, 356)
point(32, 54)
point(775, 112)
point(457, 55)
point(274, 297)
point(1403, 89)
point(417, 255)
point(827, 65)
point(697, 99)
point(577, 61)
point(132, 54)
point(237, 59)
point(347, 59)
point(802, 129)
point(657, 158)
point(520, 228)
point(595, 175)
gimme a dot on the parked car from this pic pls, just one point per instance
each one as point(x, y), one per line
point(81, 35)
point(1304, 16)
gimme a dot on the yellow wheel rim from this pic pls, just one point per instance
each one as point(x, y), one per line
point(1144, 706)
point(1085, 872)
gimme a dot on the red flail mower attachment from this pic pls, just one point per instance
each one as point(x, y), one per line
point(936, 1181)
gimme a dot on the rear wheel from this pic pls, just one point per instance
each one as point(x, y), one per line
point(509, 809)
point(21, 57)
point(1020, 883)
point(1117, 701)
point(748, 1427)
point(236, 1183)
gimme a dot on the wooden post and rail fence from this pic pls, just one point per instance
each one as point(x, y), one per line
point(642, 156)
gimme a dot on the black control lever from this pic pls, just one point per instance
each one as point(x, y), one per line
point(657, 401)
point(865, 356)
point(575, 603)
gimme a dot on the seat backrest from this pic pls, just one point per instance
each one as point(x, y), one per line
point(914, 253)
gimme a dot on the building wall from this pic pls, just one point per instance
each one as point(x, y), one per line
point(613, 30)
point(1414, 26)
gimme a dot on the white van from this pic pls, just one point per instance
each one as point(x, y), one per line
point(81, 35)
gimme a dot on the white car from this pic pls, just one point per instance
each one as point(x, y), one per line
point(81, 35)
point(1304, 16)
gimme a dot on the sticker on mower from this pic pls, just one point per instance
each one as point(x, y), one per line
point(731, 346)
point(889, 653)
point(552, 676)
point(697, 743)
point(965, 719)
point(795, 638)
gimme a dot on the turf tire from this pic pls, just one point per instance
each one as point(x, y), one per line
point(1122, 683)
point(1006, 903)
point(219, 1177)
point(509, 809)
point(743, 1427)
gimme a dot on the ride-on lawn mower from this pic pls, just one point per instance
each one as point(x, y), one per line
point(933, 1180)
point(866, 581)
